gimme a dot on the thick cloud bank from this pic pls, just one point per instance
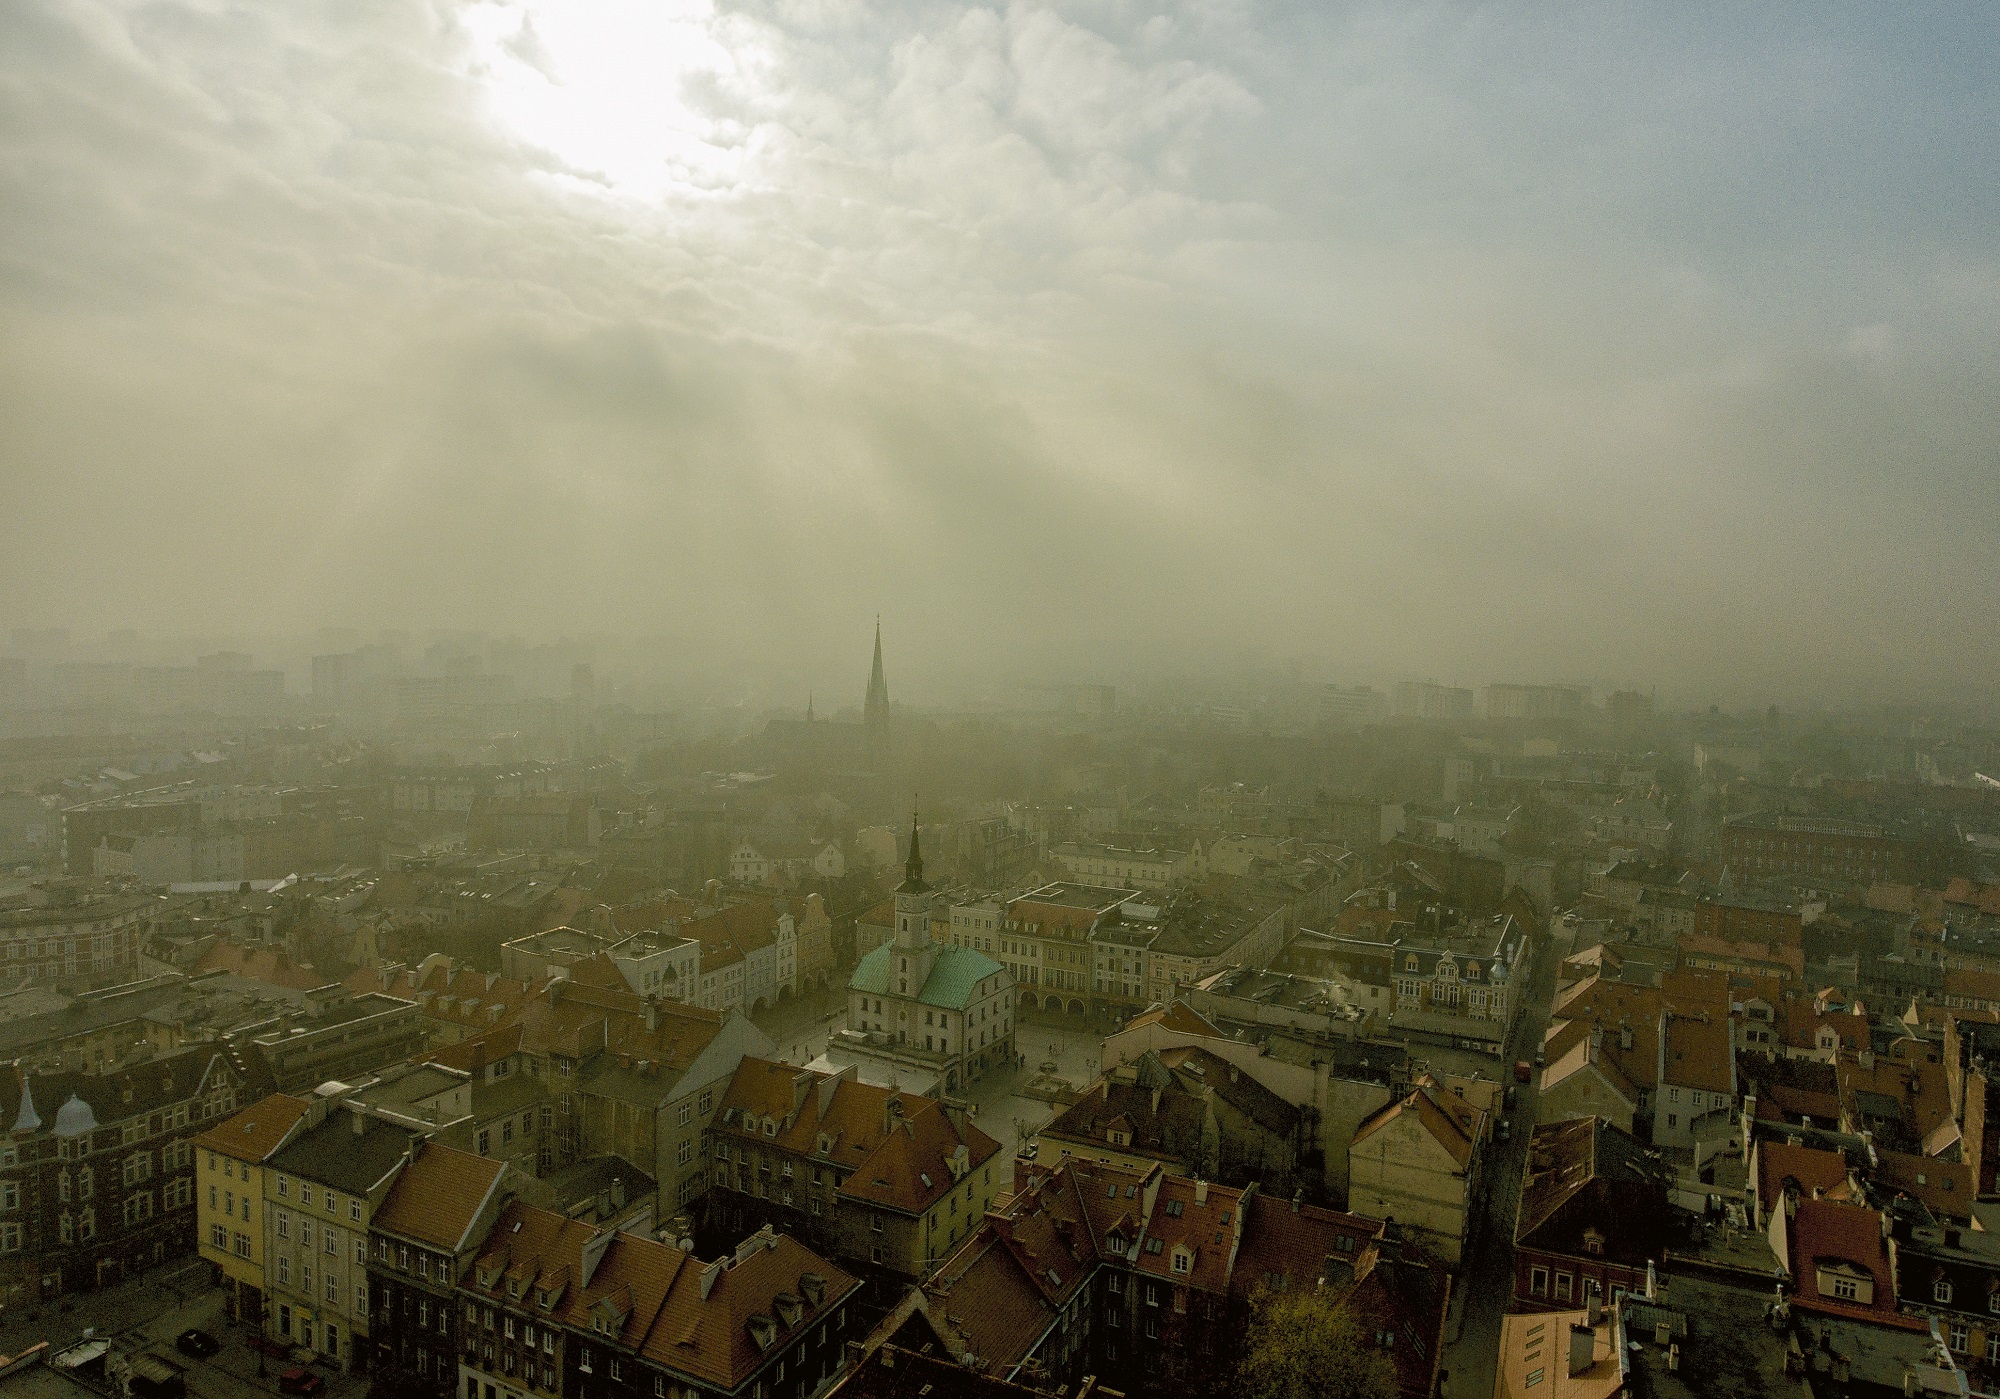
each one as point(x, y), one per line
point(1481, 343)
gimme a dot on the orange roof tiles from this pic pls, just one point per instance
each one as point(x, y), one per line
point(439, 1196)
point(1698, 1054)
point(1833, 1232)
point(1811, 1168)
point(258, 1130)
point(664, 1304)
point(887, 1141)
point(1454, 1130)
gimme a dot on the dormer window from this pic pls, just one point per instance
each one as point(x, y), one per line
point(1410, 964)
point(1941, 1292)
point(1593, 1243)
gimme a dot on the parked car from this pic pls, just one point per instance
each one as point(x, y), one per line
point(1521, 1070)
point(1506, 1130)
point(299, 1380)
point(1512, 1095)
point(196, 1343)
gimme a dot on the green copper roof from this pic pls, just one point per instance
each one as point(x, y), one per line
point(955, 971)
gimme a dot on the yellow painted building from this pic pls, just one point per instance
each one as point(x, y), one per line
point(230, 1175)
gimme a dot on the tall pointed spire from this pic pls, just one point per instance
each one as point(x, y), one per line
point(875, 710)
point(913, 868)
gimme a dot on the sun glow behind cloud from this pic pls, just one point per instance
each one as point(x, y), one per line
point(605, 87)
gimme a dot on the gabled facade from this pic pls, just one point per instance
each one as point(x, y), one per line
point(1593, 1214)
point(1419, 1162)
point(230, 1180)
point(553, 1306)
point(1145, 1280)
point(421, 1239)
point(885, 1181)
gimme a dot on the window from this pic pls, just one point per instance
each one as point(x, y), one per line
point(1941, 1292)
point(218, 1237)
point(332, 1242)
point(1563, 1285)
point(284, 1270)
point(1538, 1281)
point(305, 1193)
point(242, 1245)
point(1845, 1289)
point(284, 1187)
point(685, 1114)
point(1959, 1337)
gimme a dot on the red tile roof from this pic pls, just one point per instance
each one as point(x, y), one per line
point(895, 1149)
point(1450, 1121)
point(1826, 1232)
point(675, 1310)
point(439, 1196)
point(258, 1130)
point(1699, 1054)
point(1811, 1168)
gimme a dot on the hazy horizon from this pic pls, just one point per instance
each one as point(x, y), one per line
point(1079, 341)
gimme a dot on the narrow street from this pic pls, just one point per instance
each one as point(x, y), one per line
point(1487, 1284)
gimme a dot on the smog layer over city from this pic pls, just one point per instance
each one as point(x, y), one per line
point(763, 699)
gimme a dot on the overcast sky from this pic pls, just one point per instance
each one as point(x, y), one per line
point(1509, 342)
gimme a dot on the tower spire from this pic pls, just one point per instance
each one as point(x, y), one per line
point(875, 710)
point(913, 868)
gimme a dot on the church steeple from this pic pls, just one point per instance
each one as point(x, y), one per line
point(913, 868)
point(914, 951)
point(875, 709)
